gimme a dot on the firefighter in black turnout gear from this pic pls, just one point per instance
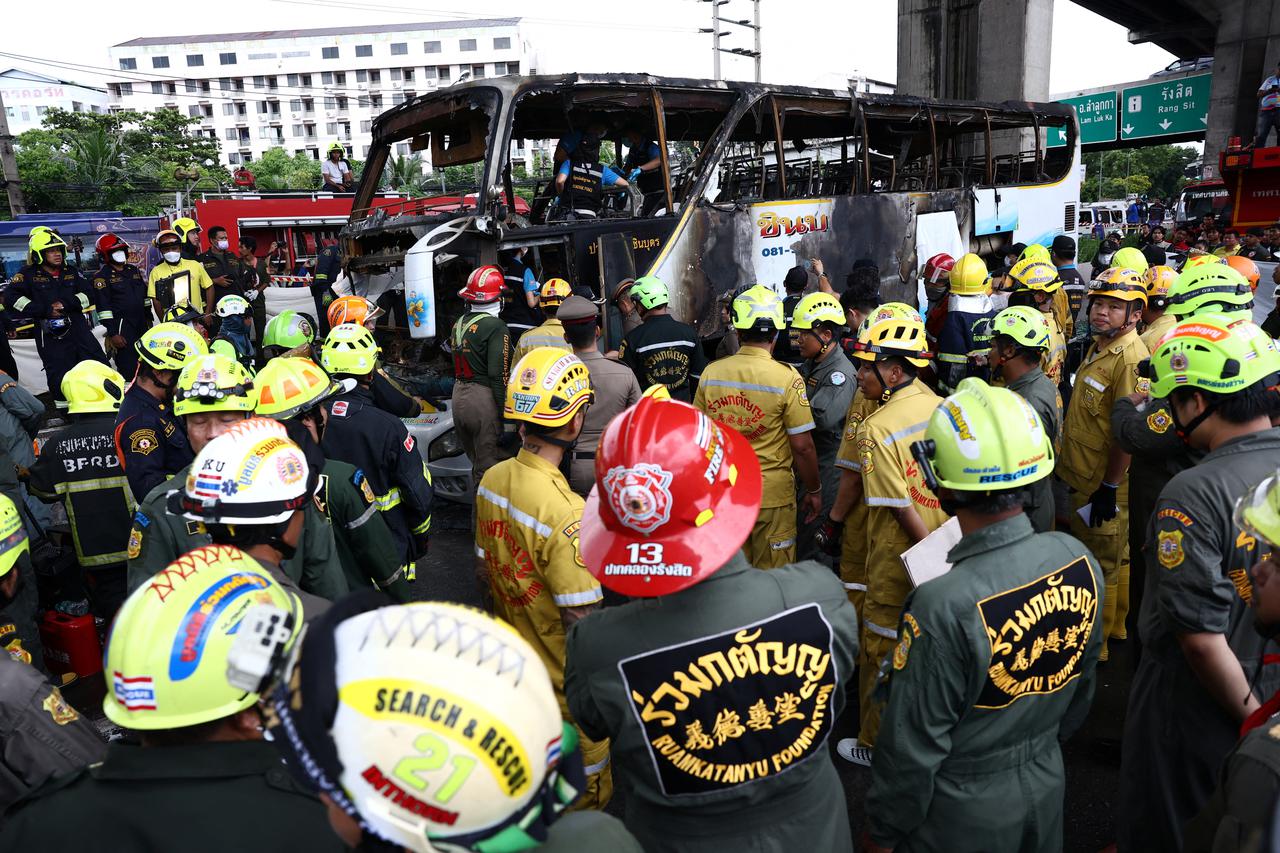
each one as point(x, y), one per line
point(125, 290)
point(55, 299)
point(519, 296)
point(582, 179)
point(376, 442)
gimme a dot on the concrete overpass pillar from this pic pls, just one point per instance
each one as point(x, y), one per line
point(1246, 51)
point(985, 50)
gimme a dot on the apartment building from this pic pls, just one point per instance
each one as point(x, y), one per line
point(28, 95)
point(303, 89)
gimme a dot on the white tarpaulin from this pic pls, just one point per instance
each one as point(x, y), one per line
point(936, 232)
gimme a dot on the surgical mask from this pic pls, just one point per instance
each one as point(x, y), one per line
point(173, 257)
point(1105, 258)
point(119, 256)
point(222, 245)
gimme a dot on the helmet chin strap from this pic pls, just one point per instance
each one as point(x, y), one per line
point(1184, 431)
point(886, 391)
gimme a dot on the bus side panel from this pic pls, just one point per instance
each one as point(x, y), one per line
point(715, 250)
point(1042, 209)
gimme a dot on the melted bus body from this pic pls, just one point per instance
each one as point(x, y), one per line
point(752, 180)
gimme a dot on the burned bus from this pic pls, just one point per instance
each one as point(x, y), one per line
point(753, 180)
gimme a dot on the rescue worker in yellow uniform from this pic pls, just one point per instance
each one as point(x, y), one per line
point(1157, 320)
point(765, 400)
point(551, 333)
point(891, 348)
point(527, 522)
point(1036, 284)
point(1092, 464)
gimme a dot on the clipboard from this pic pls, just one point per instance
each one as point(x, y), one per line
point(927, 559)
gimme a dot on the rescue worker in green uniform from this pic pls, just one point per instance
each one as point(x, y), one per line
point(367, 650)
point(1201, 671)
point(214, 394)
point(1144, 426)
point(765, 400)
point(1092, 464)
point(968, 756)
point(203, 771)
point(687, 677)
point(481, 346)
point(830, 382)
point(1243, 807)
point(1020, 338)
point(294, 391)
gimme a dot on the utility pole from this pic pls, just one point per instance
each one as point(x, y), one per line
point(9, 166)
point(756, 25)
point(717, 33)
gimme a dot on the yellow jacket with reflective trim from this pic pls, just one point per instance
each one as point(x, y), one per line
point(527, 521)
point(764, 400)
point(549, 334)
point(1105, 376)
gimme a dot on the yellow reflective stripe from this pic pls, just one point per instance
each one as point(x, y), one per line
point(83, 300)
point(106, 315)
point(92, 485)
point(21, 303)
point(388, 501)
point(424, 526)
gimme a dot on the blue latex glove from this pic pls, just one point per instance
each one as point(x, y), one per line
point(632, 175)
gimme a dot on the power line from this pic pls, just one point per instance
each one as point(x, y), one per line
point(473, 13)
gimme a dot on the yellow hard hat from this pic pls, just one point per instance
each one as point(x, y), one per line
point(554, 291)
point(817, 308)
point(184, 226)
point(969, 276)
point(547, 387)
point(350, 349)
point(42, 241)
point(1034, 274)
point(1130, 257)
point(1119, 283)
point(169, 346)
point(893, 330)
point(92, 386)
point(13, 536)
point(289, 386)
point(214, 383)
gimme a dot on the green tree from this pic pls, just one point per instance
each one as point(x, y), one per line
point(404, 175)
point(277, 171)
point(1161, 168)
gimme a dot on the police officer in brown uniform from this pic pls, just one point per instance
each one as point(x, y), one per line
point(614, 385)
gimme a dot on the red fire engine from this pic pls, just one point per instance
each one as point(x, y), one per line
point(1252, 178)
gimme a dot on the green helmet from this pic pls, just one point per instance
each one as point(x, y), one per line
point(42, 241)
point(758, 308)
point(1130, 258)
point(214, 383)
point(817, 308)
point(169, 346)
point(289, 330)
point(1036, 252)
point(984, 439)
point(1213, 352)
point(349, 349)
point(649, 292)
point(13, 535)
point(166, 661)
point(1216, 288)
point(92, 386)
point(1024, 324)
point(184, 226)
point(1258, 511)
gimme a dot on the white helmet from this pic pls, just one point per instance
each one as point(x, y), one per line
point(232, 306)
point(442, 721)
point(251, 474)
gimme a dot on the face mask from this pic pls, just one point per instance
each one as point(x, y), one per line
point(933, 294)
point(222, 245)
point(173, 257)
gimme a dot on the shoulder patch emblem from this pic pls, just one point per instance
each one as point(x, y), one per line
point(339, 409)
point(15, 651)
point(901, 651)
point(865, 446)
point(1159, 422)
point(1169, 548)
point(143, 441)
point(58, 709)
point(1177, 515)
point(362, 483)
point(135, 543)
point(838, 378)
point(798, 387)
point(408, 443)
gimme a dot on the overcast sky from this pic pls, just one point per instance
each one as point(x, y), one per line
point(821, 48)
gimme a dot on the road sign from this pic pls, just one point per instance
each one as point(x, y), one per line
point(1096, 115)
point(1166, 108)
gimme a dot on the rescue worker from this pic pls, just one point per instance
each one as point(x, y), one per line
point(151, 443)
point(55, 300)
point(675, 500)
point(969, 300)
point(793, 284)
point(936, 275)
point(222, 265)
point(527, 523)
point(454, 654)
point(581, 181)
point(968, 756)
point(1242, 808)
point(551, 333)
point(1036, 284)
point(126, 296)
point(979, 360)
point(41, 736)
point(1062, 255)
point(891, 350)
point(235, 327)
point(1020, 337)
point(1201, 673)
point(830, 383)
point(290, 333)
point(1156, 319)
point(1131, 258)
point(177, 279)
point(613, 386)
point(481, 346)
point(388, 394)
point(265, 514)
point(328, 271)
point(765, 400)
point(294, 391)
point(188, 231)
point(1246, 268)
point(215, 393)
point(202, 757)
point(861, 296)
point(378, 443)
point(78, 467)
point(662, 350)
point(1092, 464)
point(623, 314)
point(519, 295)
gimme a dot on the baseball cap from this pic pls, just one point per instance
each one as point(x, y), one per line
point(1063, 246)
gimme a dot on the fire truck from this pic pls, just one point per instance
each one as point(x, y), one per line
point(1252, 179)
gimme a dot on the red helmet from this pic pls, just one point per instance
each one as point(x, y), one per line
point(937, 270)
point(676, 495)
point(483, 285)
point(108, 243)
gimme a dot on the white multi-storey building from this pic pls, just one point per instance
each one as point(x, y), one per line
point(301, 90)
point(28, 95)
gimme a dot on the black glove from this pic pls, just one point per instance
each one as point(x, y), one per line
point(827, 537)
point(1104, 505)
